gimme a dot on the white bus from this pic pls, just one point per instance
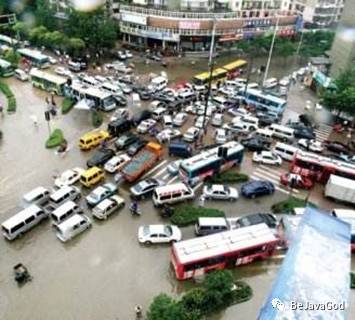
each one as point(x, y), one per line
point(205, 164)
point(101, 99)
point(36, 58)
point(47, 81)
point(6, 69)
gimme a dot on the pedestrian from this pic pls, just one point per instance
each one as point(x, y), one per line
point(1, 109)
point(138, 311)
point(34, 120)
point(202, 201)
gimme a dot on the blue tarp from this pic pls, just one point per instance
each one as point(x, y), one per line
point(314, 274)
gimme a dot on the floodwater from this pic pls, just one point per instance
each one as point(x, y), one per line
point(104, 272)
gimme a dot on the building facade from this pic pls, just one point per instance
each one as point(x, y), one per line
point(188, 24)
point(319, 13)
point(342, 54)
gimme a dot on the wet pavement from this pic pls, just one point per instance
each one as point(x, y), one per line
point(104, 272)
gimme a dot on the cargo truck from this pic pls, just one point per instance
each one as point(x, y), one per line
point(340, 189)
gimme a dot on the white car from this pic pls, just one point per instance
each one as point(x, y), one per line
point(158, 233)
point(201, 122)
point(267, 157)
point(146, 125)
point(107, 207)
point(180, 119)
point(221, 136)
point(116, 163)
point(220, 192)
point(236, 127)
point(217, 119)
point(270, 83)
point(173, 168)
point(312, 145)
point(68, 177)
point(168, 134)
point(62, 71)
point(238, 112)
point(191, 134)
point(120, 113)
point(128, 54)
point(227, 91)
point(125, 89)
point(52, 60)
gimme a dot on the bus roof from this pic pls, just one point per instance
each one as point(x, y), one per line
point(4, 63)
point(91, 91)
point(210, 155)
point(47, 76)
point(222, 243)
point(205, 75)
point(234, 65)
point(265, 95)
point(32, 53)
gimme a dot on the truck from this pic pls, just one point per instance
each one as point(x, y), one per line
point(141, 162)
point(340, 189)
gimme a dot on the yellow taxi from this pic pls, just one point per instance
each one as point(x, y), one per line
point(93, 139)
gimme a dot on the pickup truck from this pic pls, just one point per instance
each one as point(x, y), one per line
point(141, 162)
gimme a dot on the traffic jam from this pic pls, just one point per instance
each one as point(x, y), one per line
point(163, 142)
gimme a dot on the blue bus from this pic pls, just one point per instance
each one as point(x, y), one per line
point(207, 163)
point(265, 101)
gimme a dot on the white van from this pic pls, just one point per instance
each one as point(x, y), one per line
point(155, 105)
point(206, 226)
point(63, 212)
point(158, 84)
point(270, 83)
point(21, 75)
point(158, 113)
point(253, 121)
point(136, 100)
point(167, 121)
point(111, 88)
point(38, 196)
point(72, 227)
point(22, 222)
point(264, 134)
point(282, 132)
point(172, 193)
point(220, 102)
point(285, 151)
point(64, 194)
point(89, 81)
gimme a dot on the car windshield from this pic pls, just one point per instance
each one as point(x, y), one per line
point(168, 230)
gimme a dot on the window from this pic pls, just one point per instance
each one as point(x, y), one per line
point(165, 197)
point(17, 227)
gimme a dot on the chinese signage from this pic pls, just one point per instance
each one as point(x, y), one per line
point(256, 23)
point(189, 25)
point(134, 18)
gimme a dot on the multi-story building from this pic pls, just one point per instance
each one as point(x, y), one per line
point(342, 54)
point(188, 24)
point(319, 13)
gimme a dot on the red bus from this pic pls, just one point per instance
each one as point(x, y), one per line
point(320, 168)
point(194, 257)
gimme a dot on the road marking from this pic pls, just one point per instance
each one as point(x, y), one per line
point(166, 176)
point(172, 180)
point(160, 172)
point(277, 172)
point(197, 186)
point(155, 168)
point(267, 175)
point(258, 176)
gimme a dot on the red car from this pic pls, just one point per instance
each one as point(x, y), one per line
point(298, 181)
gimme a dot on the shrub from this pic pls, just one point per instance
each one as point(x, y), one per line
point(228, 177)
point(288, 205)
point(67, 105)
point(11, 100)
point(96, 118)
point(164, 307)
point(352, 280)
point(185, 214)
point(11, 104)
point(243, 292)
point(55, 139)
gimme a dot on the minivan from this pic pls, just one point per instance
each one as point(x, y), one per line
point(180, 149)
point(167, 121)
point(92, 139)
point(22, 222)
point(118, 126)
point(282, 132)
point(21, 75)
point(206, 226)
point(264, 134)
point(64, 194)
point(92, 176)
point(172, 193)
point(38, 196)
point(111, 88)
point(72, 227)
point(285, 151)
point(63, 212)
point(158, 113)
point(158, 84)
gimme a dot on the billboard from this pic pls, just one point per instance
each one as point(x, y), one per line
point(134, 18)
point(189, 25)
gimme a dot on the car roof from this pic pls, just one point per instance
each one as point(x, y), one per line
point(154, 228)
point(66, 224)
point(34, 192)
point(217, 187)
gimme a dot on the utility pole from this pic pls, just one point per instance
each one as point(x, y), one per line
point(211, 67)
point(271, 50)
point(300, 43)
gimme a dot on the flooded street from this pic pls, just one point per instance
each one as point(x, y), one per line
point(103, 273)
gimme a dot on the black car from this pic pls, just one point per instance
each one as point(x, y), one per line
point(336, 146)
point(255, 144)
point(125, 140)
point(256, 218)
point(118, 126)
point(136, 146)
point(266, 119)
point(301, 131)
point(121, 100)
point(100, 157)
point(144, 94)
point(140, 116)
point(306, 120)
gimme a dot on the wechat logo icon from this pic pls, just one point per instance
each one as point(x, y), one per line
point(277, 304)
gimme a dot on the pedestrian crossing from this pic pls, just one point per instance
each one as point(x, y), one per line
point(323, 132)
point(273, 175)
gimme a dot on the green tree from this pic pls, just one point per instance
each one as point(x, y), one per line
point(220, 283)
point(12, 56)
point(194, 305)
point(54, 40)
point(285, 48)
point(22, 28)
point(38, 34)
point(75, 46)
point(44, 15)
point(164, 308)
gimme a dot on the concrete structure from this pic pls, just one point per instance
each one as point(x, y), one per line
point(343, 51)
point(188, 24)
point(319, 13)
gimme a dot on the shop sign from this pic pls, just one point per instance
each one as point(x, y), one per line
point(249, 23)
point(134, 18)
point(160, 35)
point(189, 25)
point(230, 37)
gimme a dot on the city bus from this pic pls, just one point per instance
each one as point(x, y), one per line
point(207, 163)
point(263, 101)
point(218, 75)
point(6, 69)
point(99, 98)
point(7, 41)
point(234, 68)
point(49, 82)
point(35, 58)
point(195, 257)
point(320, 167)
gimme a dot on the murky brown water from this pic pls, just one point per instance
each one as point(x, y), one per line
point(104, 272)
